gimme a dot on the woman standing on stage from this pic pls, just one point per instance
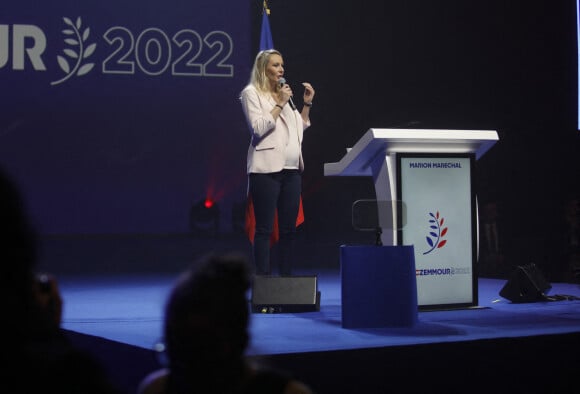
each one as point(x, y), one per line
point(274, 163)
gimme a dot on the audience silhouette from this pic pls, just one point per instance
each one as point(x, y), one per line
point(37, 356)
point(206, 335)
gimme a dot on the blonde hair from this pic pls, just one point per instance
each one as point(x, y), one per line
point(258, 77)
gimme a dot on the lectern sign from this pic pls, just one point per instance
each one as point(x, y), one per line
point(437, 192)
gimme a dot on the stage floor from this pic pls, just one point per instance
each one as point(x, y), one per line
point(496, 347)
point(129, 309)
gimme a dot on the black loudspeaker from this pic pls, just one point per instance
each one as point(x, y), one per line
point(285, 294)
point(526, 284)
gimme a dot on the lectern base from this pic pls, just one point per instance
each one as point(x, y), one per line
point(379, 288)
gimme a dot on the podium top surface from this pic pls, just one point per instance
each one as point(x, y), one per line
point(384, 142)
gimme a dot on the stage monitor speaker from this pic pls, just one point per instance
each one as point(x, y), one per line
point(285, 294)
point(526, 284)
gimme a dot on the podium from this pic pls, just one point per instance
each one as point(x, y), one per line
point(423, 182)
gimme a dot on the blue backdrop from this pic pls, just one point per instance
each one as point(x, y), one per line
point(116, 117)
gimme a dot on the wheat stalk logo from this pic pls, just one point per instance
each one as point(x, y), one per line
point(77, 51)
point(436, 232)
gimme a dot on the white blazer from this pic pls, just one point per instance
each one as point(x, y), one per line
point(269, 137)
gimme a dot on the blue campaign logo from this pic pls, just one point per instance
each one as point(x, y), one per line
point(436, 232)
point(77, 52)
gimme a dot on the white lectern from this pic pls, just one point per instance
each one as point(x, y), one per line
point(429, 171)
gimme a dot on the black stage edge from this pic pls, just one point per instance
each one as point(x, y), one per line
point(535, 364)
point(125, 364)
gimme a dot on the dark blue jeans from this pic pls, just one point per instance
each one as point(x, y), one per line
point(270, 192)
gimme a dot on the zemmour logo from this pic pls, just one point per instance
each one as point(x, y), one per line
point(436, 232)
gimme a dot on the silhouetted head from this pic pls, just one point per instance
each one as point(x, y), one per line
point(207, 314)
point(17, 238)
point(17, 255)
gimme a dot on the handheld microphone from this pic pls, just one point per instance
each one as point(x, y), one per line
point(282, 81)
